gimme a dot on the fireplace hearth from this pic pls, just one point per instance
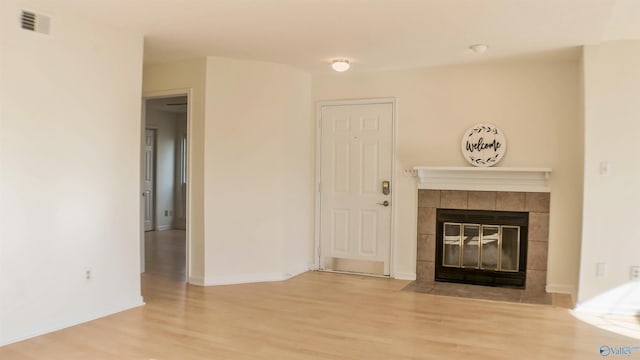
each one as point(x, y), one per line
point(481, 247)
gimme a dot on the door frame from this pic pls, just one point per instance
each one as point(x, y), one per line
point(158, 95)
point(394, 187)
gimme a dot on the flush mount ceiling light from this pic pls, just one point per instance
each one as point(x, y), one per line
point(340, 65)
point(479, 48)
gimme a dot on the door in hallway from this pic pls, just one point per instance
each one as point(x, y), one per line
point(149, 177)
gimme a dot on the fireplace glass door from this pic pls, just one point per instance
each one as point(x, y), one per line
point(490, 243)
point(479, 246)
point(470, 245)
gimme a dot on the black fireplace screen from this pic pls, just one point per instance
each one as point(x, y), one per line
point(481, 247)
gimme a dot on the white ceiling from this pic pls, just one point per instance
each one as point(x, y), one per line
point(373, 34)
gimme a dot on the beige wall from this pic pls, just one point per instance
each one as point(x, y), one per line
point(612, 125)
point(69, 172)
point(537, 104)
point(251, 167)
point(258, 171)
point(178, 76)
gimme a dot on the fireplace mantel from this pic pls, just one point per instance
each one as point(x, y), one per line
point(483, 178)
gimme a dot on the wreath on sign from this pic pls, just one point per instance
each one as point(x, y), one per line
point(480, 161)
point(485, 128)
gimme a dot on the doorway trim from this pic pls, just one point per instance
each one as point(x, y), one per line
point(158, 95)
point(394, 187)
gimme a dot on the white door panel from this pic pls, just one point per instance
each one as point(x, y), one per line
point(355, 158)
point(149, 173)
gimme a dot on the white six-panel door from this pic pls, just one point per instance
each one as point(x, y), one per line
point(356, 147)
point(149, 147)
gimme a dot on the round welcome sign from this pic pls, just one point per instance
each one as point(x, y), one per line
point(484, 145)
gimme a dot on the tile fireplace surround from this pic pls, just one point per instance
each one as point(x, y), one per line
point(434, 195)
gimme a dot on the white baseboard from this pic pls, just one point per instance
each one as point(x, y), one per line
point(163, 227)
point(300, 270)
point(404, 276)
point(560, 289)
point(78, 320)
point(196, 280)
point(233, 279)
point(243, 278)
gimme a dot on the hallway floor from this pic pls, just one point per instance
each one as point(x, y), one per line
point(165, 254)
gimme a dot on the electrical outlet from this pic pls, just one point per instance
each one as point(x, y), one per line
point(601, 269)
point(635, 273)
point(87, 273)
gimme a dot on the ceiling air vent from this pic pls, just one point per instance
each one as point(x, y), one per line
point(35, 22)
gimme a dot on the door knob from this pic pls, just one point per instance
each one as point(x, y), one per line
point(384, 203)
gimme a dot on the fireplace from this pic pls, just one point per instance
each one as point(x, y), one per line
point(495, 189)
point(481, 247)
point(533, 262)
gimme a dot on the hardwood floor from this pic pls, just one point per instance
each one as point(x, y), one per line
point(165, 254)
point(317, 316)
